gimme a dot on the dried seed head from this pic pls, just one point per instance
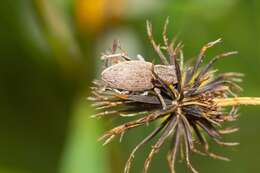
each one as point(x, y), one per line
point(188, 103)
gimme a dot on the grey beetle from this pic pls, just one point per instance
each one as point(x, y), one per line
point(137, 76)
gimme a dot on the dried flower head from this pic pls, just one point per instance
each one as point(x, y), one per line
point(188, 109)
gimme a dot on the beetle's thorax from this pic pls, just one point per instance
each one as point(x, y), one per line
point(166, 73)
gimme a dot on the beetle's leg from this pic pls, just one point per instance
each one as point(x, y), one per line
point(145, 93)
point(123, 52)
point(107, 57)
point(113, 57)
point(108, 60)
point(140, 57)
point(158, 93)
point(155, 46)
point(114, 46)
point(162, 83)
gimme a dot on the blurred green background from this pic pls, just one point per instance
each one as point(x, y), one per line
point(49, 53)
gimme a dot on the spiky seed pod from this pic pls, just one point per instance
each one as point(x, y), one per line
point(192, 109)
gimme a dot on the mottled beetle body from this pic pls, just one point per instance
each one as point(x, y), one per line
point(137, 75)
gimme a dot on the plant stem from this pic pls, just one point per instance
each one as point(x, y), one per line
point(236, 101)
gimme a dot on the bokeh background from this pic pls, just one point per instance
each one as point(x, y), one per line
point(49, 53)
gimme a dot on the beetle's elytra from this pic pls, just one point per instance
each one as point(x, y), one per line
point(136, 75)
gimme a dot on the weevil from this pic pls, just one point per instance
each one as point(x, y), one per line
point(138, 76)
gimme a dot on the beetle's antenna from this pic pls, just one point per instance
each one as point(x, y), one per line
point(114, 46)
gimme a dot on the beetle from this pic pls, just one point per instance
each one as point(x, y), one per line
point(138, 76)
